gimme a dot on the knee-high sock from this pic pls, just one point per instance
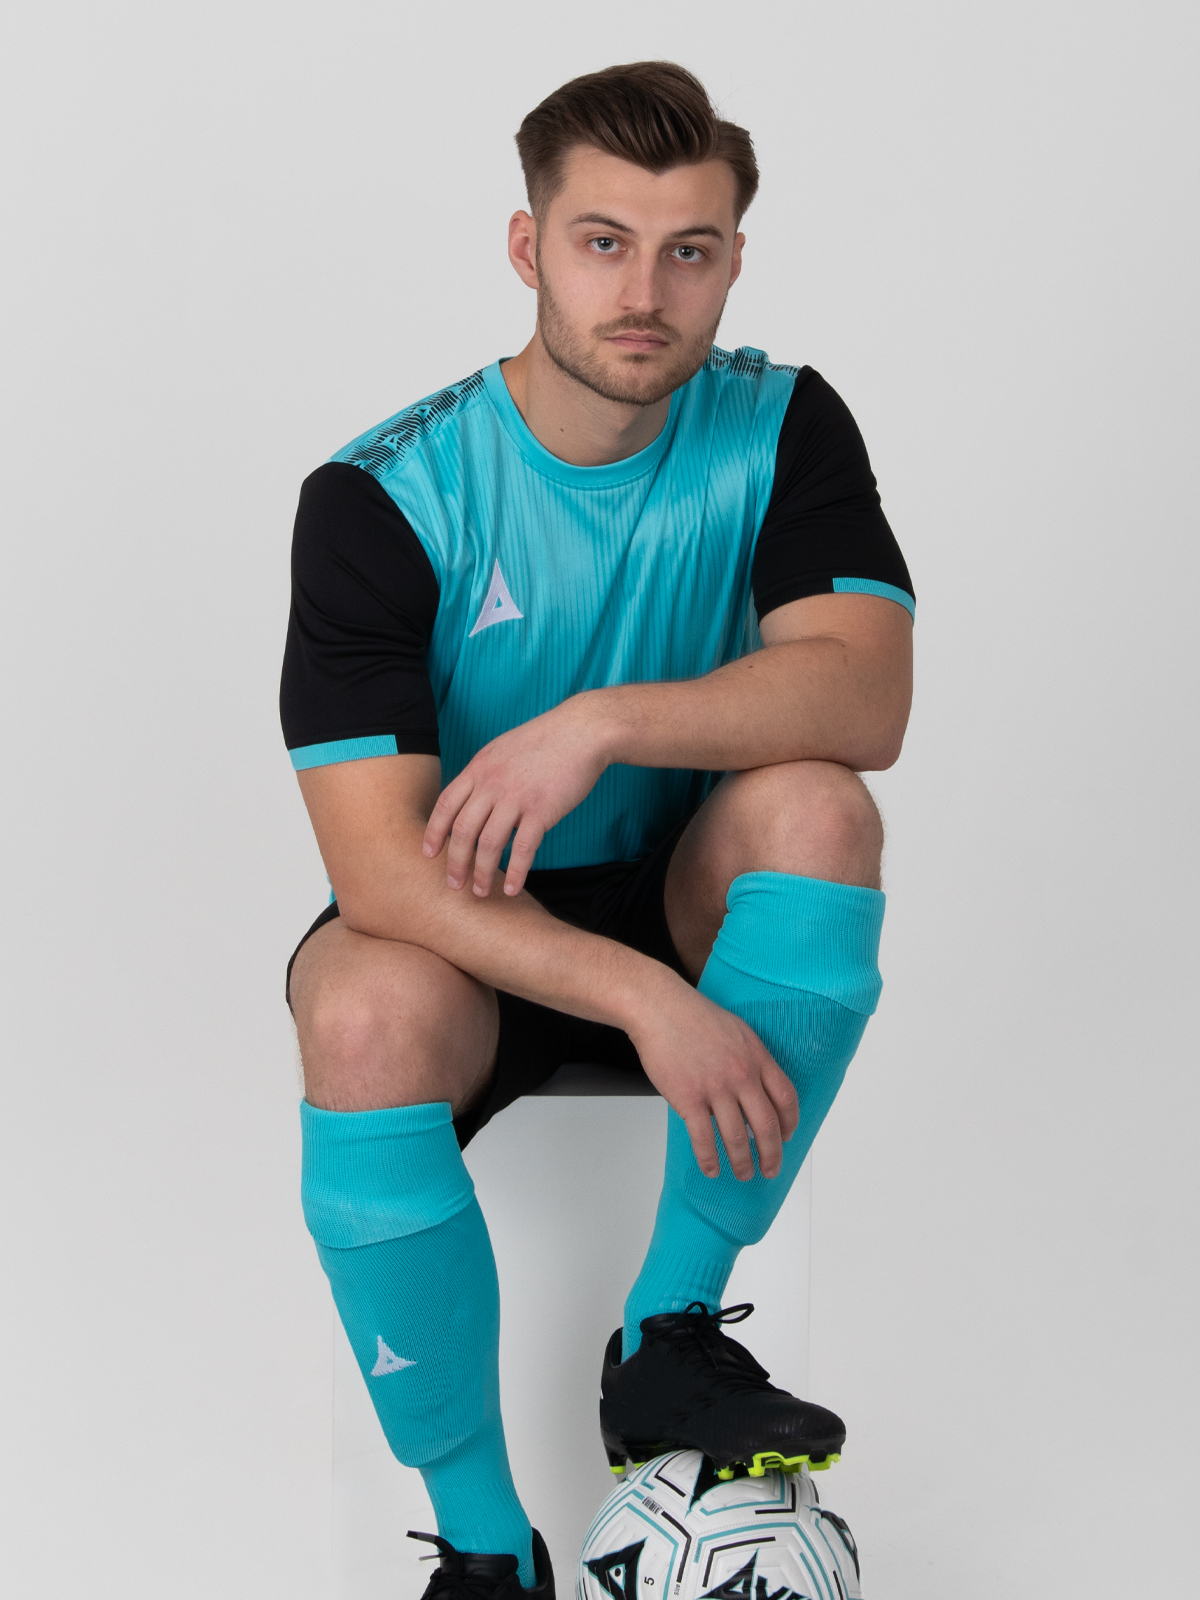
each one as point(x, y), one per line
point(797, 959)
point(401, 1236)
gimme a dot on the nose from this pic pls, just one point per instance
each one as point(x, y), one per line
point(642, 288)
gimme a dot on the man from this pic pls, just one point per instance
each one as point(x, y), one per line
point(523, 650)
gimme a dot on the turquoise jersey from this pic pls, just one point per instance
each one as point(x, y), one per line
point(535, 580)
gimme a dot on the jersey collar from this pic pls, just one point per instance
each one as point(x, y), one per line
point(540, 459)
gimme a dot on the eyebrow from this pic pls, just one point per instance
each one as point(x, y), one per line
point(705, 230)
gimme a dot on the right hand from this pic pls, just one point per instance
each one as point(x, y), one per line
point(524, 780)
point(708, 1064)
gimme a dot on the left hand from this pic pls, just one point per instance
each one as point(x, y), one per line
point(527, 779)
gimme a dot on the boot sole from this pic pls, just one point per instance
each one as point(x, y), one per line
point(757, 1464)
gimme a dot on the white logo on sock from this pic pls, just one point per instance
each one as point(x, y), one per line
point(499, 605)
point(388, 1361)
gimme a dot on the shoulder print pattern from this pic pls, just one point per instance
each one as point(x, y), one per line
point(382, 449)
point(745, 362)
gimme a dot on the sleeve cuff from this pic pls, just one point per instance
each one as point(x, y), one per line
point(337, 750)
point(885, 591)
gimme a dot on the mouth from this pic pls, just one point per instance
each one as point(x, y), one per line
point(638, 343)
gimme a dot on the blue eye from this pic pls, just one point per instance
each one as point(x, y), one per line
point(605, 246)
point(687, 252)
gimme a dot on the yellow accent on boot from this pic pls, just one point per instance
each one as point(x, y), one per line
point(618, 1470)
point(724, 1473)
point(765, 1460)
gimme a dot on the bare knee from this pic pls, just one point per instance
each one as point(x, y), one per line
point(344, 1029)
point(382, 1024)
point(812, 818)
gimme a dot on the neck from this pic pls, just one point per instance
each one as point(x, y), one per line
point(572, 421)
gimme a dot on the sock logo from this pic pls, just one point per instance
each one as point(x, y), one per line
point(388, 1361)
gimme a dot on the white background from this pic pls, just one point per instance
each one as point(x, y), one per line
point(238, 234)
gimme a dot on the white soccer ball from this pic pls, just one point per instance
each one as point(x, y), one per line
point(672, 1530)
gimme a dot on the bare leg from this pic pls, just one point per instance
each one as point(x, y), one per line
point(385, 1024)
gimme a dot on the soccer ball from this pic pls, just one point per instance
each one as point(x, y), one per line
point(673, 1530)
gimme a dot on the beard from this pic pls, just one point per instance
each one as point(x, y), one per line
point(632, 379)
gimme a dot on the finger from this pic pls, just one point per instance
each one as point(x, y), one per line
point(464, 837)
point(496, 834)
point(779, 1088)
point(704, 1144)
point(525, 847)
point(782, 1093)
point(764, 1125)
point(445, 808)
point(735, 1137)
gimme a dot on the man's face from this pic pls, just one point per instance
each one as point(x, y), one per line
point(633, 269)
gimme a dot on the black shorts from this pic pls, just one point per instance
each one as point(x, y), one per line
point(623, 900)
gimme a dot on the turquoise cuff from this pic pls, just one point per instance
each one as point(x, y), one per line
point(885, 591)
point(369, 1176)
point(336, 751)
point(805, 933)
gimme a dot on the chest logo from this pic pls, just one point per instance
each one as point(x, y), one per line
point(499, 605)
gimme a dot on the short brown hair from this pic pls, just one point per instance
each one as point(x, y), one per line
point(653, 113)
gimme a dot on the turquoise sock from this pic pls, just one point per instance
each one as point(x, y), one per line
point(403, 1241)
point(797, 959)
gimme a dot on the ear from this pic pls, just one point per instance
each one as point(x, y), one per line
point(522, 247)
point(735, 266)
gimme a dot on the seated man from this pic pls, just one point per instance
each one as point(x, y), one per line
point(525, 641)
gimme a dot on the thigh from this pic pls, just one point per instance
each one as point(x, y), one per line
point(384, 1024)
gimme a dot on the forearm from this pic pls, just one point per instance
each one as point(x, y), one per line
point(832, 683)
point(386, 887)
point(803, 700)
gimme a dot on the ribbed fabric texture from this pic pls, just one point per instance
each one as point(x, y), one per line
point(797, 959)
point(420, 1304)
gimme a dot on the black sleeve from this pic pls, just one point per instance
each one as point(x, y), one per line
point(364, 598)
point(824, 522)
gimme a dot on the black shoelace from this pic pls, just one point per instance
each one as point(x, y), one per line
point(698, 1339)
point(451, 1580)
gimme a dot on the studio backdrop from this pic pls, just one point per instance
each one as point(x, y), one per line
point(240, 234)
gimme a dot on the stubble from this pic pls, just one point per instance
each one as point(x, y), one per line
point(632, 379)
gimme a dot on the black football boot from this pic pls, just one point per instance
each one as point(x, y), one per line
point(690, 1387)
point(462, 1575)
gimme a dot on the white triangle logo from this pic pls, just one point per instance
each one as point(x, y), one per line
point(498, 607)
point(388, 1361)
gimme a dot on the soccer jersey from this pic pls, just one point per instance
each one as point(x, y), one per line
point(452, 578)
